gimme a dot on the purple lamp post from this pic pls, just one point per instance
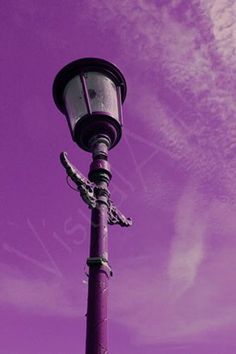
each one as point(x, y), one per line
point(90, 93)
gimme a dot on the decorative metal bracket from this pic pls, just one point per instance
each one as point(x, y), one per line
point(116, 217)
point(84, 185)
point(87, 191)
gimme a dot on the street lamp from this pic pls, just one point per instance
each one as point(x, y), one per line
point(90, 93)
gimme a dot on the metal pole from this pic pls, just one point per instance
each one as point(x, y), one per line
point(94, 192)
point(99, 271)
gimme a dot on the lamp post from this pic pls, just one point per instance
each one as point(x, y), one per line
point(90, 93)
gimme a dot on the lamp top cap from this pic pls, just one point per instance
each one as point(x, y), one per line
point(84, 65)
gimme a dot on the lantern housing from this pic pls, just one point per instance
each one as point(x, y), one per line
point(90, 93)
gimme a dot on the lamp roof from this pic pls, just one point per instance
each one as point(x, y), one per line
point(84, 65)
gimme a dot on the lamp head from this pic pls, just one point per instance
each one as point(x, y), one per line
point(90, 93)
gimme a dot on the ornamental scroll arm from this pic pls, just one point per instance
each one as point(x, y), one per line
point(88, 191)
point(85, 187)
point(116, 217)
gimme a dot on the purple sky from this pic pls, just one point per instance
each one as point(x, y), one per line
point(174, 173)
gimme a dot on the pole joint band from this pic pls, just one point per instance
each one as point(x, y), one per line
point(99, 261)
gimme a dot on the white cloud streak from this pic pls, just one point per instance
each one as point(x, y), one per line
point(189, 98)
point(181, 300)
point(45, 298)
point(186, 298)
point(188, 244)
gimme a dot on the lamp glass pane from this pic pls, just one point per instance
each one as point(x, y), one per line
point(74, 100)
point(102, 94)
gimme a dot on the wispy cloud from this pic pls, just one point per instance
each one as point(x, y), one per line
point(44, 297)
point(222, 15)
point(144, 302)
point(189, 93)
point(188, 244)
point(186, 298)
point(181, 300)
point(184, 51)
